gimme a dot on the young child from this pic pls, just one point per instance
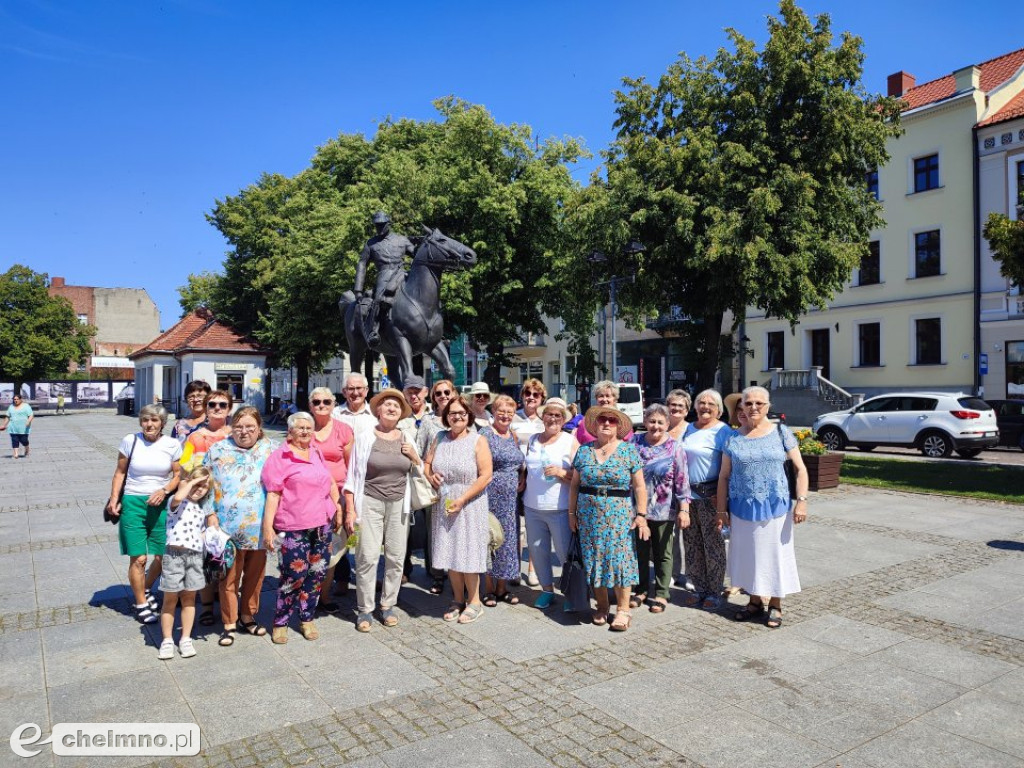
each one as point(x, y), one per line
point(183, 561)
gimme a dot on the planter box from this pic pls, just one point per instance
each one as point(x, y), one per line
point(823, 471)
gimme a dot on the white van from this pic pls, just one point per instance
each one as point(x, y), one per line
point(631, 403)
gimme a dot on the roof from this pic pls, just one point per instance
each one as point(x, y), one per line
point(199, 331)
point(1013, 108)
point(994, 73)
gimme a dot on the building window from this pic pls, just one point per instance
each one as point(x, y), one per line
point(870, 265)
point(926, 254)
point(1015, 370)
point(928, 341)
point(775, 357)
point(232, 384)
point(83, 319)
point(872, 181)
point(1020, 182)
point(869, 345)
point(926, 173)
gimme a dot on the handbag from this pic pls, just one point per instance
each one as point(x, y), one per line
point(573, 582)
point(788, 467)
point(109, 515)
point(421, 493)
point(497, 533)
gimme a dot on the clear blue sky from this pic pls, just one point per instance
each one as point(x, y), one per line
point(124, 121)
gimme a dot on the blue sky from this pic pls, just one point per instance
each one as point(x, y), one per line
point(124, 121)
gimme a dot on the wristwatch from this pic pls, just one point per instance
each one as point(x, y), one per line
point(801, 498)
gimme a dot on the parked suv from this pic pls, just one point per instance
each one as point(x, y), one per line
point(936, 423)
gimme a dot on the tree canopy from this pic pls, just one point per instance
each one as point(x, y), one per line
point(744, 177)
point(39, 334)
point(1006, 238)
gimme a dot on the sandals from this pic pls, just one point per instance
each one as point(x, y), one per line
point(309, 630)
point(227, 638)
point(206, 618)
point(453, 611)
point(364, 622)
point(621, 626)
point(774, 618)
point(507, 597)
point(437, 586)
point(711, 603)
point(692, 599)
point(388, 618)
point(145, 614)
point(635, 601)
point(490, 599)
point(752, 610)
point(279, 636)
point(658, 605)
point(252, 628)
point(599, 618)
point(473, 612)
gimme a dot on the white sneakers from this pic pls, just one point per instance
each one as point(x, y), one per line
point(186, 648)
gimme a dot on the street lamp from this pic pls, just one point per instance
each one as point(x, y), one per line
point(633, 248)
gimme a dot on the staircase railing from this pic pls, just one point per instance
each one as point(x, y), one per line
point(811, 379)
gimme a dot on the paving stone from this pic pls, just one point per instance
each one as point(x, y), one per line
point(917, 745)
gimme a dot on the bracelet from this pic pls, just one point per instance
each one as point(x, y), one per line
point(641, 514)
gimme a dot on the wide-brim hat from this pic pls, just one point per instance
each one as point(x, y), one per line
point(394, 394)
point(481, 388)
point(731, 401)
point(590, 420)
point(556, 403)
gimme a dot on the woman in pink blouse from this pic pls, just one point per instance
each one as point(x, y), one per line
point(302, 510)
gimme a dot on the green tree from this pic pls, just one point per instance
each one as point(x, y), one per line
point(1006, 239)
point(744, 177)
point(198, 291)
point(39, 334)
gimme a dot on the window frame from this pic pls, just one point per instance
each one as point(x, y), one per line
point(916, 340)
point(916, 250)
point(859, 344)
point(927, 173)
point(876, 255)
point(768, 357)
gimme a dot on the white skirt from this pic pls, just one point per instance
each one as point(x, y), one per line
point(762, 559)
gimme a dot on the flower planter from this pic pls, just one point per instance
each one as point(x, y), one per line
point(823, 471)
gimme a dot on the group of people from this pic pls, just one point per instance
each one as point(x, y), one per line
point(350, 476)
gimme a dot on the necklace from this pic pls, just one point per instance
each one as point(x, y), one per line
point(606, 450)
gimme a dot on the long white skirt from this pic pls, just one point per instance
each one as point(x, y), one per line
point(762, 559)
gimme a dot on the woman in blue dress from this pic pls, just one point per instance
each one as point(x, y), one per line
point(607, 474)
point(507, 461)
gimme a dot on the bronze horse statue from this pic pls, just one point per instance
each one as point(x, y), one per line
point(414, 325)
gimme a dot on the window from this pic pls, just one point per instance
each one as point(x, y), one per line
point(869, 345)
point(1020, 182)
point(880, 405)
point(926, 173)
point(872, 181)
point(926, 254)
point(870, 265)
point(928, 341)
point(83, 319)
point(232, 384)
point(775, 357)
point(1015, 370)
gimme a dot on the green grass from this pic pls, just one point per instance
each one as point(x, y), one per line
point(980, 481)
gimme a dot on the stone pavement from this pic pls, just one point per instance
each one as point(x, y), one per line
point(904, 649)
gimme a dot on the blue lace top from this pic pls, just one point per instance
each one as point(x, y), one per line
point(757, 483)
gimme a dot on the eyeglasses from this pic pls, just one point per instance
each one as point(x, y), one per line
point(554, 415)
point(196, 396)
point(356, 389)
point(607, 420)
point(302, 429)
point(481, 396)
point(457, 415)
point(240, 428)
point(677, 407)
point(218, 405)
point(756, 406)
point(322, 402)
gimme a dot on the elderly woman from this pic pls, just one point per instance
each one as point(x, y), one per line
point(195, 398)
point(678, 404)
point(377, 496)
point(481, 397)
point(507, 463)
point(441, 393)
point(549, 458)
point(334, 438)
point(459, 465)
point(147, 473)
point(19, 418)
point(754, 495)
point(526, 424)
point(607, 395)
point(607, 473)
point(303, 505)
point(704, 442)
point(236, 465)
point(668, 505)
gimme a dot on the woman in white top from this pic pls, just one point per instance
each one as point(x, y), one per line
point(147, 474)
point(549, 457)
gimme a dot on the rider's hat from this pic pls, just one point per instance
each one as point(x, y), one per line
point(381, 218)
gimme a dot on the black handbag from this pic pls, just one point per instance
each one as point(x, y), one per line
point(788, 467)
point(573, 583)
point(109, 516)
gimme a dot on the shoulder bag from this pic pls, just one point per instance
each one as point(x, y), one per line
point(421, 492)
point(788, 467)
point(109, 515)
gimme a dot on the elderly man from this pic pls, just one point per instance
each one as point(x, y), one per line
point(355, 411)
point(415, 392)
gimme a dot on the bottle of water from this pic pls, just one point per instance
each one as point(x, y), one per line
point(545, 460)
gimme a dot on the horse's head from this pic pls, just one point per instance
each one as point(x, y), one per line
point(438, 250)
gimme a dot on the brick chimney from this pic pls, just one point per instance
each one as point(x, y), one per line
point(901, 82)
point(56, 282)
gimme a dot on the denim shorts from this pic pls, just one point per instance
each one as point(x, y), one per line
point(182, 570)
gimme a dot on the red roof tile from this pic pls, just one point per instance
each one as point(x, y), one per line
point(1013, 108)
point(199, 331)
point(994, 72)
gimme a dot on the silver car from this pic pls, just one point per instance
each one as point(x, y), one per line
point(936, 423)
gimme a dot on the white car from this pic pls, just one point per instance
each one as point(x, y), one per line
point(936, 423)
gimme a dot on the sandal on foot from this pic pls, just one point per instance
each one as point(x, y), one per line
point(748, 612)
point(437, 586)
point(490, 600)
point(774, 618)
point(599, 618)
point(145, 614)
point(206, 618)
point(658, 605)
point(166, 651)
point(279, 636)
point(309, 630)
point(151, 599)
point(635, 601)
point(508, 597)
point(227, 638)
point(388, 618)
point(711, 603)
point(364, 622)
point(692, 599)
point(252, 628)
point(473, 612)
point(621, 626)
point(453, 611)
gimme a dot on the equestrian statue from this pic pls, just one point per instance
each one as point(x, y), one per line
point(402, 317)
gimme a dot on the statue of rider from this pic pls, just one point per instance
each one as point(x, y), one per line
point(387, 251)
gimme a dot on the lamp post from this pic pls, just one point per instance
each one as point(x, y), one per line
point(633, 248)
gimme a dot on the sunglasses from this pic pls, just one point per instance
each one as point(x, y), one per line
point(531, 395)
point(322, 402)
point(607, 420)
point(480, 396)
point(218, 405)
point(443, 393)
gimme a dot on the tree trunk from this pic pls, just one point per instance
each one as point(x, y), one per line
point(712, 352)
point(302, 380)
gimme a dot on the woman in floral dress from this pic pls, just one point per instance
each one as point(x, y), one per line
point(606, 474)
point(507, 461)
